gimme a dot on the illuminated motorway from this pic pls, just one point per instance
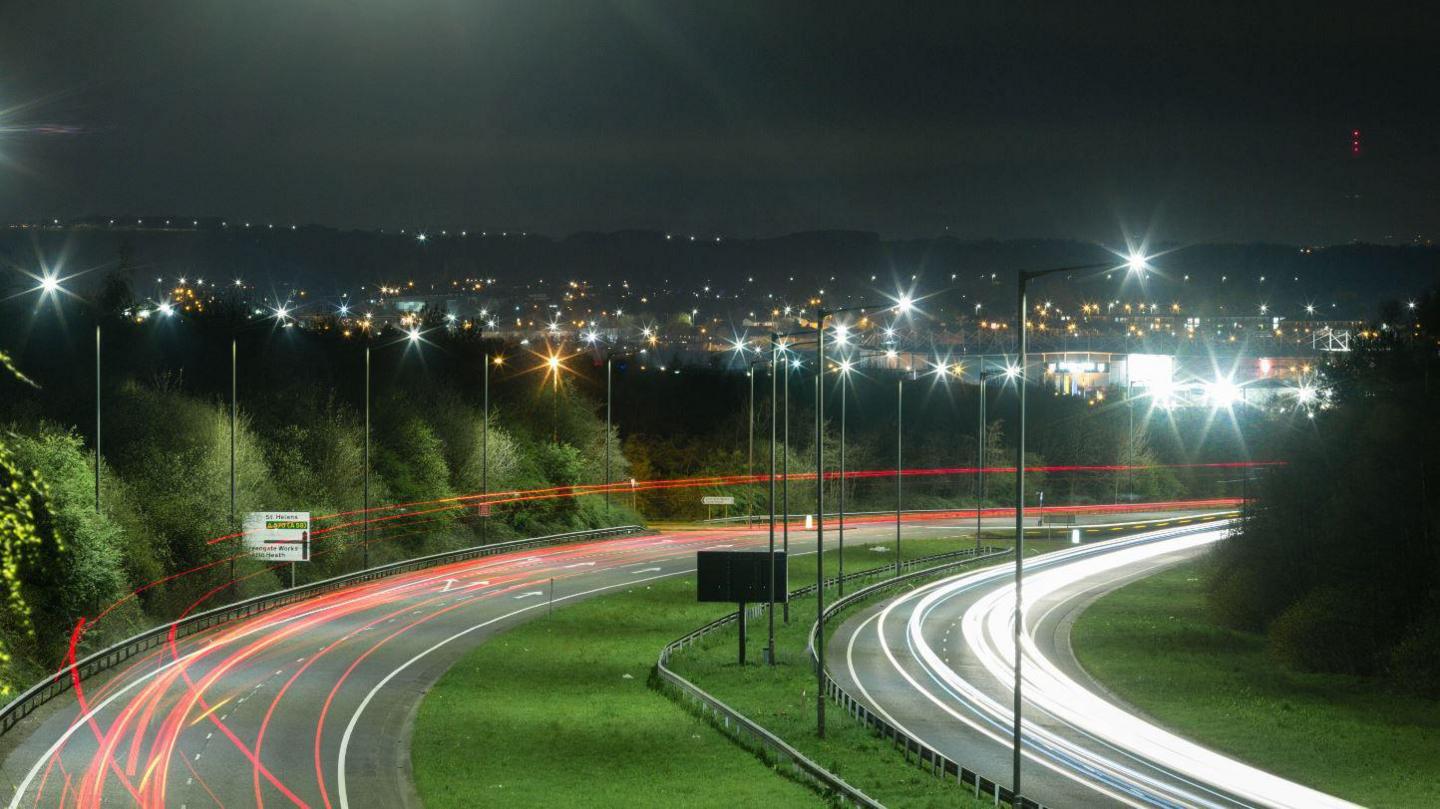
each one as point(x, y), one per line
point(938, 662)
point(311, 704)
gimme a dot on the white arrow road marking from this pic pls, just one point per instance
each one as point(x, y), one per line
point(531, 593)
point(580, 564)
point(481, 583)
point(449, 583)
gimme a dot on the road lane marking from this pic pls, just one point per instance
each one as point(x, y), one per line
point(364, 703)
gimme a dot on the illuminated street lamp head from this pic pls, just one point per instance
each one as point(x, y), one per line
point(344, 310)
point(842, 334)
point(1012, 371)
point(413, 335)
point(904, 304)
point(281, 312)
point(591, 337)
point(49, 283)
point(891, 354)
point(1135, 262)
point(1222, 393)
point(498, 360)
point(166, 309)
point(845, 367)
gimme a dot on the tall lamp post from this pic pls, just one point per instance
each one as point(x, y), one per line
point(840, 525)
point(774, 400)
point(980, 456)
point(97, 414)
point(412, 337)
point(750, 444)
point(1022, 323)
point(608, 361)
point(498, 360)
point(899, 462)
point(821, 314)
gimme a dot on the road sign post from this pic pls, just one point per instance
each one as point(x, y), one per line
point(741, 578)
point(278, 536)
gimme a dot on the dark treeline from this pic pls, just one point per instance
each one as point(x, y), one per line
point(165, 482)
point(1340, 561)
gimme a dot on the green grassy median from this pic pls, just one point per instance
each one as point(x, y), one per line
point(558, 711)
point(1153, 644)
point(782, 700)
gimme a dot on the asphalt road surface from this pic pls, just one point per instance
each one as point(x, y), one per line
point(938, 662)
point(312, 704)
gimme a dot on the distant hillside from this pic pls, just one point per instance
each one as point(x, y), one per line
point(1355, 278)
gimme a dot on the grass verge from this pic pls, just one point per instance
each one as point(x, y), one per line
point(782, 698)
point(1152, 642)
point(557, 711)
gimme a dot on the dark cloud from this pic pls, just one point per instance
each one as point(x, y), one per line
point(1217, 121)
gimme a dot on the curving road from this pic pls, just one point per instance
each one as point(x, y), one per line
point(312, 704)
point(938, 662)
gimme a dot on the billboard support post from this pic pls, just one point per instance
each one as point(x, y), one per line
point(742, 633)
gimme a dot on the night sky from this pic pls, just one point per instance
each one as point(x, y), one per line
point(1191, 122)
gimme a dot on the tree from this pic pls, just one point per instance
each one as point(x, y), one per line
point(32, 556)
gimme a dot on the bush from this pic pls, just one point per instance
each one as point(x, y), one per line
point(1333, 629)
point(94, 568)
point(1415, 662)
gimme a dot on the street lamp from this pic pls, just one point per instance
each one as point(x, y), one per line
point(51, 285)
point(553, 365)
point(750, 446)
point(774, 400)
point(412, 337)
point(901, 305)
point(845, 367)
point(498, 360)
point(1022, 323)
point(980, 455)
